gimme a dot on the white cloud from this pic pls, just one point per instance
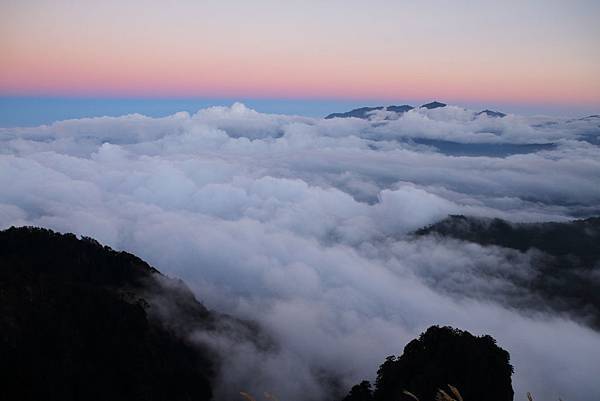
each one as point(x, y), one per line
point(300, 224)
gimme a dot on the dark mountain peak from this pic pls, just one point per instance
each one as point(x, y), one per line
point(67, 258)
point(362, 112)
point(434, 105)
point(491, 113)
point(478, 367)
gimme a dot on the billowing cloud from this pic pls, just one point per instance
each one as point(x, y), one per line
point(301, 224)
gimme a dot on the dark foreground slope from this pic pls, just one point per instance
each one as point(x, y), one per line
point(75, 324)
point(441, 356)
point(565, 259)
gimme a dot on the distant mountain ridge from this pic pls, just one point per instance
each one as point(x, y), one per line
point(491, 113)
point(565, 259)
point(365, 112)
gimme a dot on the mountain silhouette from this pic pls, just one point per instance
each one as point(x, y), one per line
point(364, 112)
point(434, 105)
point(491, 113)
point(80, 321)
point(478, 367)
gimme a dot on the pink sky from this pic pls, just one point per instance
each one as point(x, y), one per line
point(539, 52)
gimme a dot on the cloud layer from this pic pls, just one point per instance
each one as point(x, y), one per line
point(301, 224)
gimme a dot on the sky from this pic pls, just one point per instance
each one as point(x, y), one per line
point(534, 55)
point(304, 224)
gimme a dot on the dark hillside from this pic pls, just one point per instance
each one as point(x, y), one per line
point(578, 239)
point(74, 325)
point(566, 259)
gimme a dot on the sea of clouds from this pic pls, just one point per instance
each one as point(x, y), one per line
point(304, 225)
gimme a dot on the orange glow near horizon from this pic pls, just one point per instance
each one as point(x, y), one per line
point(147, 49)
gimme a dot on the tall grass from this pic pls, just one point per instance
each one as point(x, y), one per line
point(452, 395)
